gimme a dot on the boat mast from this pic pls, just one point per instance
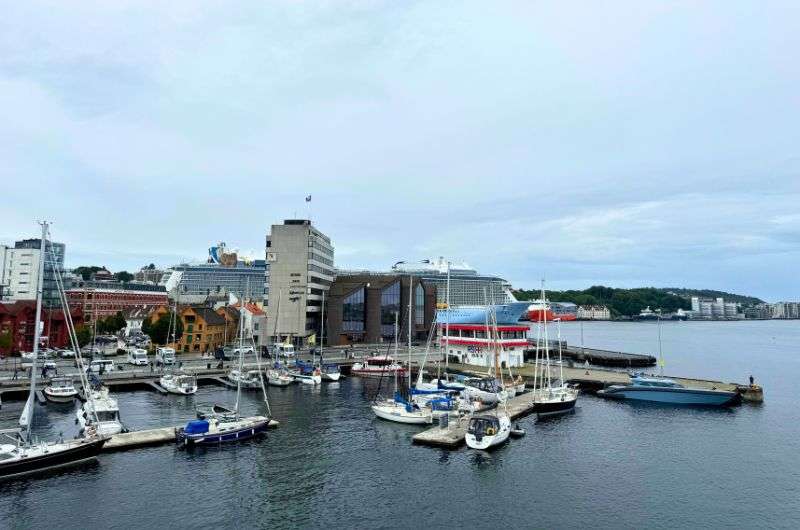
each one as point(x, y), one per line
point(27, 413)
point(241, 358)
point(560, 361)
point(660, 352)
point(410, 295)
point(447, 323)
point(396, 319)
point(322, 328)
point(543, 319)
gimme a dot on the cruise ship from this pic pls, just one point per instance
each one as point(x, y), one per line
point(478, 314)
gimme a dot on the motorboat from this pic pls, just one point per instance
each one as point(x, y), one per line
point(183, 384)
point(100, 414)
point(60, 390)
point(668, 391)
point(377, 367)
point(399, 410)
point(331, 372)
point(250, 379)
point(485, 431)
point(217, 430)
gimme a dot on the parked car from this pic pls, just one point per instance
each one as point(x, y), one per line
point(100, 366)
point(66, 354)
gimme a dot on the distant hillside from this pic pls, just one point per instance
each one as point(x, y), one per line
point(621, 302)
point(710, 293)
point(630, 302)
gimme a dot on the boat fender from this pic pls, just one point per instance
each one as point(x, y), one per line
point(490, 431)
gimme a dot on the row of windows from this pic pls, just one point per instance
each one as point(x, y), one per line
point(320, 258)
point(481, 334)
point(319, 246)
point(315, 268)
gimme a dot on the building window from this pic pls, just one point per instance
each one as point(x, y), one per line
point(390, 305)
point(419, 305)
point(353, 311)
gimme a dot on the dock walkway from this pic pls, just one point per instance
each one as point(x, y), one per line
point(453, 435)
point(148, 437)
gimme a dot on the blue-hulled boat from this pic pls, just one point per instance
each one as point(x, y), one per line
point(667, 391)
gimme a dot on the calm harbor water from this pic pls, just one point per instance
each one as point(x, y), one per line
point(330, 464)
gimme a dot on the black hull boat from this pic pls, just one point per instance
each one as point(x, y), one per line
point(554, 406)
point(40, 458)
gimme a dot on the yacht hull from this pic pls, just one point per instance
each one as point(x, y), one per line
point(673, 396)
point(399, 415)
point(554, 407)
point(334, 376)
point(234, 435)
point(78, 454)
point(59, 398)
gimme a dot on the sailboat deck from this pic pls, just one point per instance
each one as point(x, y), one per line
point(159, 436)
point(453, 435)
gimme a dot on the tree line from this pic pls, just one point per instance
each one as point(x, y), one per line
point(621, 302)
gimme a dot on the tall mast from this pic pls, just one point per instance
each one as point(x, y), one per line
point(322, 327)
point(560, 361)
point(447, 323)
point(27, 413)
point(410, 296)
point(660, 352)
point(241, 357)
point(543, 319)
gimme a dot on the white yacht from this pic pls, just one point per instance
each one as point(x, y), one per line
point(105, 409)
point(487, 431)
point(60, 390)
point(250, 379)
point(184, 384)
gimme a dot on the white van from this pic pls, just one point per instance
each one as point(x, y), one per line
point(137, 357)
point(165, 356)
point(104, 365)
point(283, 350)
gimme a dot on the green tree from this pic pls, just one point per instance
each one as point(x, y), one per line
point(5, 340)
point(158, 330)
point(86, 272)
point(123, 276)
point(84, 335)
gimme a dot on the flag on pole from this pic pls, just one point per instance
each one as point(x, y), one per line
point(308, 198)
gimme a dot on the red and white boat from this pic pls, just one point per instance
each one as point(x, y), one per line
point(540, 311)
point(377, 367)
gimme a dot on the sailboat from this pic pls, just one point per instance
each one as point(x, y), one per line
point(398, 409)
point(549, 398)
point(216, 429)
point(25, 454)
point(330, 372)
point(667, 391)
point(485, 431)
point(177, 383)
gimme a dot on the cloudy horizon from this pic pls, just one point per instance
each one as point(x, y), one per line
point(625, 144)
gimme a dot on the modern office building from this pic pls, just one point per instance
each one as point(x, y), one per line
point(223, 275)
point(299, 270)
point(19, 271)
point(716, 309)
point(361, 307)
point(467, 287)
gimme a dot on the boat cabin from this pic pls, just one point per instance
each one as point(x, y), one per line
point(654, 382)
point(473, 344)
point(483, 425)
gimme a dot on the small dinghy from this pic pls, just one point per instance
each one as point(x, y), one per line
point(517, 431)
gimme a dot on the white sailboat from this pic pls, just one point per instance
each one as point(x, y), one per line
point(176, 383)
point(25, 454)
point(329, 372)
point(485, 431)
point(398, 409)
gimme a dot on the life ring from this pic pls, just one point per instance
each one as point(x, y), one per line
point(490, 431)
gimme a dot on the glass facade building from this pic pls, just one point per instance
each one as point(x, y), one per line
point(353, 313)
point(390, 307)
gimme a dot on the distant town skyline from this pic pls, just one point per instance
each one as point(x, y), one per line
point(622, 144)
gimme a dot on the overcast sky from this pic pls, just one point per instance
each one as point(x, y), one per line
point(618, 143)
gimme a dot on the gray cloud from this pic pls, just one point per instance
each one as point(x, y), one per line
point(622, 143)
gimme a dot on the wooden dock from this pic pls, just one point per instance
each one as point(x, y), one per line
point(453, 435)
point(148, 437)
point(598, 378)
